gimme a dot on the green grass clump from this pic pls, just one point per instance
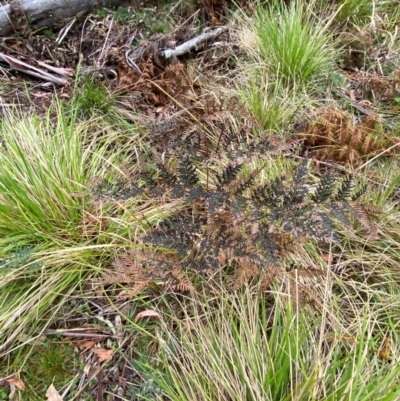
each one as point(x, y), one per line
point(239, 347)
point(52, 234)
point(273, 105)
point(293, 43)
point(353, 11)
point(290, 56)
point(93, 98)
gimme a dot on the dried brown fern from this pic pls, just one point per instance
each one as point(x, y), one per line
point(126, 270)
point(332, 135)
point(139, 268)
point(364, 213)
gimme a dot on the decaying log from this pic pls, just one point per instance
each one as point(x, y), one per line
point(45, 13)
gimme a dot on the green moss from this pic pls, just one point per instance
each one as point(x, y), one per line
point(53, 362)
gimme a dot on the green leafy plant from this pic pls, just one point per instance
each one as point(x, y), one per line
point(101, 12)
point(123, 15)
point(48, 33)
point(93, 97)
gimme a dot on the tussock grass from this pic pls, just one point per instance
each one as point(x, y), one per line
point(290, 54)
point(272, 104)
point(52, 234)
point(237, 346)
point(293, 43)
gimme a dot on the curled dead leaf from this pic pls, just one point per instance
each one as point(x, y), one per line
point(13, 380)
point(146, 313)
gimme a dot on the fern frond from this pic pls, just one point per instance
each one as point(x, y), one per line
point(363, 217)
point(268, 276)
point(228, 175)
point(147, 179)
point(167, 176)
point(118, 191)
point(359, 193)
point(324, 189)
point(245, 185)
point(187, 173)
point(346, 188)
point(181, 282)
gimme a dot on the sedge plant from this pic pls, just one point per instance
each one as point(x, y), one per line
point(290, 56)
point(253, 347)
point(53, 234)
point(293, 43)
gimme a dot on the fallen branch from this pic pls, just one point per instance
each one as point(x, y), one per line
point(193, 43)
point(46, 13)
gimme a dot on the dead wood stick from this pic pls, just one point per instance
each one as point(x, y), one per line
point(79, 334)
point(31, 70)
point(193, 43)
point(356, 105)
point(48, 13)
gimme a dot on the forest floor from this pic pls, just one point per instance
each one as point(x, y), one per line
point(160, 179)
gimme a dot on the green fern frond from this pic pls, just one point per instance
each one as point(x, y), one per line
point(228, 175)
point(324, 189)
point(346, 188)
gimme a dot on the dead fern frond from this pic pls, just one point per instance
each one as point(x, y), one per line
point(361, 212)
point(126, 271)
point(268, 276)
point(180, 282)
point(229, 219)
point(333, 135)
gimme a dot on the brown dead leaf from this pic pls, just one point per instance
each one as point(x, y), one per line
point(146, 313)
point(103, 354)
point(386, 349)
point(52, 394)
point(13, 380)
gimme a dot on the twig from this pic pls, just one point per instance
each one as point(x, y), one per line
point(79, 334)
point(376, 156)
point(64, 72)
point(356, 105)
point(63, 33)
point(192, 43)
point(331, 165)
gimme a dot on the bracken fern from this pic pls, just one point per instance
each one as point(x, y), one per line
point(229, 217)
